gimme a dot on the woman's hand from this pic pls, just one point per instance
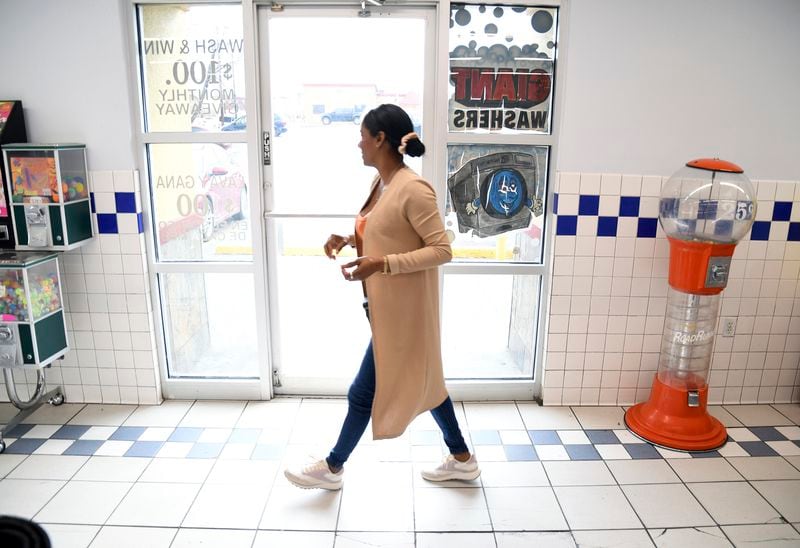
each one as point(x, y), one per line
point(365, 267)
point(335, 244)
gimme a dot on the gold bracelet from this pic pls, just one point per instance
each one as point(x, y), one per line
point(385, 265)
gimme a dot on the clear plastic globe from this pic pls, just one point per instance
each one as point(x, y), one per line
point(708, 201)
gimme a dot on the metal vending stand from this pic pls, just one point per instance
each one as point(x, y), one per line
point(32, 327)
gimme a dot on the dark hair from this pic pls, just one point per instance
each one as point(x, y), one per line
point(395, 123)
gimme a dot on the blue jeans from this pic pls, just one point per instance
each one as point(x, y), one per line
point(359, 409)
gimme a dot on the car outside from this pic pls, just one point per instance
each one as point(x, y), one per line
point(346, 114)
point(240, 124)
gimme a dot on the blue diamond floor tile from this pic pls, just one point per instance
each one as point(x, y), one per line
point(704, 454)
point(758, 449)
point(544, 437)
point(267, 452)
point(186, 434)
point(205, 451)
point(767, 433)
point(245, 435)
point(601, 437)
point(582, 452)
point(127, 433)
point(641, 451)
point(70, 432)
point(18, 431)
point(84, 447)
point(24, 446)
point(485, 437)
point(520, 453)
point(144, 449)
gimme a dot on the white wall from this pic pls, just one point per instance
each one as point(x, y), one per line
point(67, 62)
point(652, 84)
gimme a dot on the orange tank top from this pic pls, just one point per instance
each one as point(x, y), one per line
point(361, 226)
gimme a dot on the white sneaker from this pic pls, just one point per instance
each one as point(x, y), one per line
point(316, 475)
point(453, 469)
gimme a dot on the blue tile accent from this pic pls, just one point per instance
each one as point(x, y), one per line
point(125, 202)
point(782, 211)
point(245, 435)
point(85, 448)
point(25, 446)
point(107, 223)
point(205, 451)
point(794, 232)
point(582, 452)
point(647, 227)
point(127, 433)
point(588, 204)
point(144, 449)
point(186, 434)
point(687, 226)
point(91, 202)
point(69, 432)
point(641, 451)
point(607, 226)
point(268, 452)
point(425, 437)
point(520, 453)
point(19, 430)
point(669, 207)
point(555, 203)
point(760, 230)
point(767, 433)
point(140, 222)
point(704, 454)
point(544, 437)
point(707, 209)
point(485, 437)
point(566, 225)
point(723, 228)
point(601, 437)
point(629, 206)
point(758, 449)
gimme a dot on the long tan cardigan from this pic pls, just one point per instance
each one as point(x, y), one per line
point(405, 225)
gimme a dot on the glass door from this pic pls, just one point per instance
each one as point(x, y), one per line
point(321, 70)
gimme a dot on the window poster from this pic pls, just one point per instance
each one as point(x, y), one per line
point(501, 68)
point(498, 190)
point(193, 67)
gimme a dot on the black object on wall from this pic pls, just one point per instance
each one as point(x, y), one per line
point(12, 130)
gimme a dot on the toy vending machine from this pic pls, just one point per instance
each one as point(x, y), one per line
point(12, 130)
point(49, 190)
point(706, 208)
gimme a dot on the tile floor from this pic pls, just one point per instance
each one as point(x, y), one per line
point(209, 474)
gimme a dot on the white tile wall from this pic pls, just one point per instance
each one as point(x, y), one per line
point(106, 292)
point(604, 328)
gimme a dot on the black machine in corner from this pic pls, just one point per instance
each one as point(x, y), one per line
point(12, 130)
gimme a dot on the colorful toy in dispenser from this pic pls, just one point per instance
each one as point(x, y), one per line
point(74, 188)
point(44, 294)
point(33, 177)
point(13, 306)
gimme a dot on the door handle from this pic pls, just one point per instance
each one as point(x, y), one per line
point(266, 149)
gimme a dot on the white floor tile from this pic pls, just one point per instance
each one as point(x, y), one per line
point(113, 448)
point(624, 436)
point(791, 432)
point(484, 453)
point(488, 416)
point(269, 414)
point(384, 539)
point(785, 448)
point(103, 415)
point(98, 433)
point(156, 433)
point(41, 431)
point(673, 454)
point(551, 452)
point(53, 447)
point(526, 540)
point(707, 537)
point(783, 495)
point(741, 434)
point(54, 414)
point(70, 536)
point(613, 451)
point(177, 470)
point(168, 415)
point(84, 502)
point(175, 450)
point(727, 420)
point(453, 540)
point(600, 418)
point(133, 537)
point(9, 462)
point(515, 437)
point(213, 414)
point(24, 498)
point(524, 509)
point(734, 503)
point(637, 538)
point(708, 469)
point(642, 471)
point(155, 504)
point(237, 451)
point(513, 474)
point(365, 507)
point(126, 469)
point(295, 539)
point(732, 449)
point(794, 461)
point(789, 410)
point(538, 417)
point(259, 473)
point(433, 510)
point(573, 437)
point(596, 507)
point(61, 467)
point(765, 468)
point(298, 509)
point(579, 473)
point(215, 435)
point(666, 505)
point(208, 538)
point(227, 506)
point(779, 535)
point(757, 415)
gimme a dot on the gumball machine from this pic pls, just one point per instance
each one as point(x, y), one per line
point(705, 209)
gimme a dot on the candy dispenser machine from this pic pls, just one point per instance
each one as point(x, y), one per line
point(706, 208)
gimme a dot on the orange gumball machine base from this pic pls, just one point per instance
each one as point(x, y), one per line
point(667, 421)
